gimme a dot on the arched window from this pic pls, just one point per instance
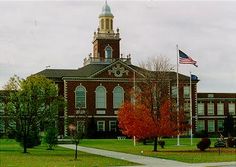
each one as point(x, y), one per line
point(108, 52)
point(100, 97)
point(80, 97)
point(135, 94)
point(118, 96)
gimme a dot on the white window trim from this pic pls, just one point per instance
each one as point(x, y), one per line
point(123, 95)
point(174, 91)
point(186, 88)
point(204, 128)
point(80, 123)
point(101, 112)
point(102, 127)
point(222, 112)
point(108, 46)
point(209, 128)
point(110, 125)
point(208, 113)
point(84, 96)
point(233, 104)
point(105, 105)
point(203, 113)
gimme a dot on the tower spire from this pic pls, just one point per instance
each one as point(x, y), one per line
point(106, 20)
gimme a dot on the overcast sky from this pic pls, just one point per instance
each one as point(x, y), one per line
point(36, 34)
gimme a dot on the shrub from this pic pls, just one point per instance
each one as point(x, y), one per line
point(161, 143)
point(231, 142)
point(220, 143)
point(204, 144)
point(51, 137)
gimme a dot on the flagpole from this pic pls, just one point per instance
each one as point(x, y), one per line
point(177, 103)
point(134, 103)
point(191, 115)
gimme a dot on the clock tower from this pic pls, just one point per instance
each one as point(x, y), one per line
point(106, 42)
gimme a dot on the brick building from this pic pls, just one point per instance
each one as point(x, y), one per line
point(105, 81)
point(213, 108)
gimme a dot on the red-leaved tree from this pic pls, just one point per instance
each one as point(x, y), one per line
point(137, 120)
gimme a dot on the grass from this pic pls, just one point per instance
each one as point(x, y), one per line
point(11, 155)
point(184, 153)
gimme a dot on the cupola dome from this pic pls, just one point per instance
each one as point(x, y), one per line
point(106, 10)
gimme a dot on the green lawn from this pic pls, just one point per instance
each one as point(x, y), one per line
point(11, 155)
point(185, 152)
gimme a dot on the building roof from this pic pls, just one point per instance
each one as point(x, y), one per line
point(81, 72)
point(207, 95)
point(106, 10)
point(90, 69)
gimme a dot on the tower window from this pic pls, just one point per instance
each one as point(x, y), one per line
point(108, 52)
point(102, 24)
point(107, 23)
point(111, 25)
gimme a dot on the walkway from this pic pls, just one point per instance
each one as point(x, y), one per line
point(146, 161)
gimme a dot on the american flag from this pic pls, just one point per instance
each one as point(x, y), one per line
point(185, 59)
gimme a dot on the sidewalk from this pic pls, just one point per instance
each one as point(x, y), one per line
point(146, 161)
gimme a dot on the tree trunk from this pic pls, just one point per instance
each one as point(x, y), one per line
point(155, 144)
point(76, 151)
point(25, 143)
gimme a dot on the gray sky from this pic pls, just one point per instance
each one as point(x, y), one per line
point(35, 34)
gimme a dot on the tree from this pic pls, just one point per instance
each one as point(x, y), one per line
point(138, 121)
point(77, 128)
point(153, 102)
point(34, 101)
point(51, 137)
point(155, 87)
point(229, 126)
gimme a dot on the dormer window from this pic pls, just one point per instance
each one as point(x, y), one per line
point(108, 52)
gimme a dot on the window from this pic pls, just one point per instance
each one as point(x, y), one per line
point(135, 94)
point(111, 24)
point(187, 106)
point(108, 52)
point(220, 108)
point(118, 96)
point(232, 108)
point(100, 97)
point(186, 91)
point(112, 126)
point(101, 112)
point(102, 24)
point(211, 126)
point(220, 124)
point(100, 126)
point(107, 24)
point(174, 91)
point(80, 97)
point(210, 108)
point(200, 125)
point(200, 109)
point(81, 126)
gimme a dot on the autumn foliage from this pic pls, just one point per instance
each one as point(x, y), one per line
point(140, 122)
